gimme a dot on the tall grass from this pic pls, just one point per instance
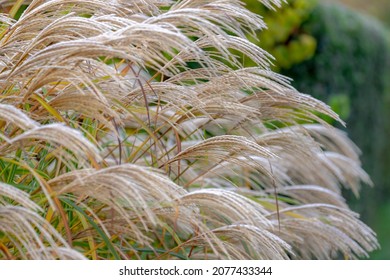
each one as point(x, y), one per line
point(130, 130)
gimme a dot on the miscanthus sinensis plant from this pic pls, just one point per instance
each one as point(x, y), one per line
point(131, 130)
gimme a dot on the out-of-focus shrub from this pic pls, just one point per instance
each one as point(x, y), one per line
point(284, 38)
point(376, 8)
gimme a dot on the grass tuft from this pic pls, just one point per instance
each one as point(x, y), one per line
point(130, 130)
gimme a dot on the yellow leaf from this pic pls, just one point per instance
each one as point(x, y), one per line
point(49, 108)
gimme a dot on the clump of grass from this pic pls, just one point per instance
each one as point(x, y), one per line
point(129, 130)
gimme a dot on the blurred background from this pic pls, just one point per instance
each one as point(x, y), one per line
point(339, 52)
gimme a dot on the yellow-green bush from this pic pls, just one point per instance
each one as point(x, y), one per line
point(285, 39)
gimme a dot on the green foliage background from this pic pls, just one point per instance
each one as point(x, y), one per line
point(343, 58)
point(377, 8)
point(285, 39)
